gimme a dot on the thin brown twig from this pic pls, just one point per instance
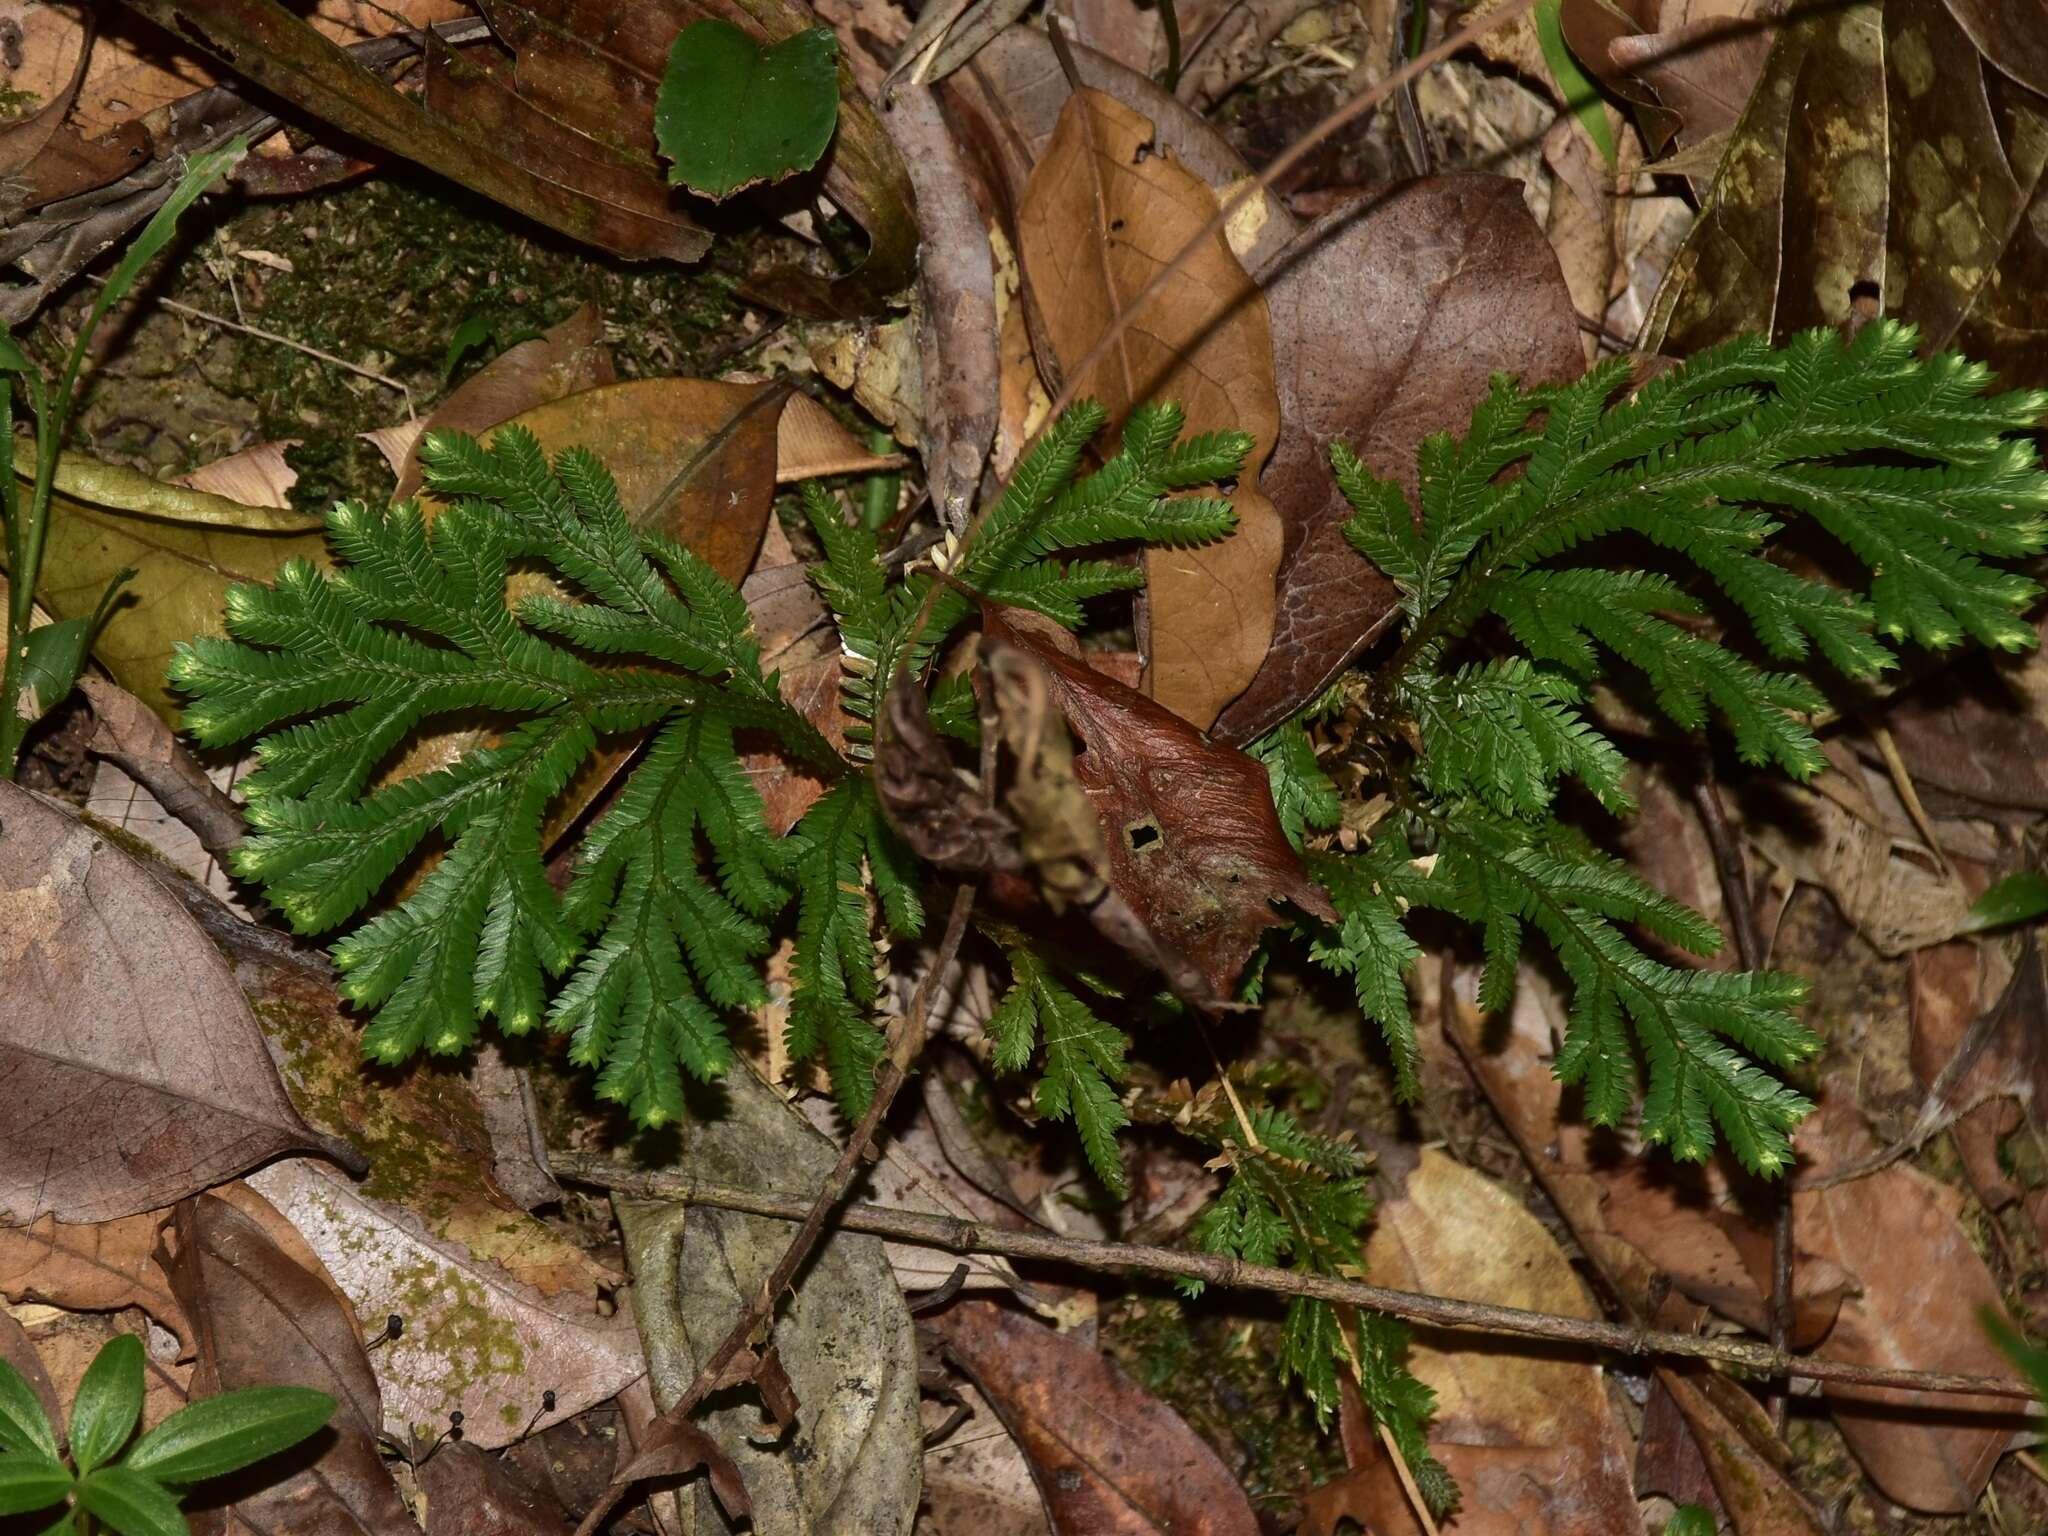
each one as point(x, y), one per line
point(958, 1235)
point(906, 1041)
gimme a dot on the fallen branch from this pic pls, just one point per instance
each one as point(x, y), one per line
point(962, 1236)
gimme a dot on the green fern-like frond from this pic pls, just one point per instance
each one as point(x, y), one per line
point(843, 857)
point(1083, 1058)
point(1904, 462)
point(1303, 794)
point(1300, 1200)
point(1019, 555)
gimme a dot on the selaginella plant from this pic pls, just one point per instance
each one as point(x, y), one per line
point(137, 1493)
point(1516, 586)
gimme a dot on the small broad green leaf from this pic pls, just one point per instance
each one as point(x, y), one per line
point(30, 1480)
point(2031, 1358)
point(12, 358)
point(55, 654)
point(2017, 898)
point(24, 1427)
point(131, 1503)
point(732, 114)
point(1581, 95)
point(109, 1402)
point(217, 1435)
point(1691, 1520)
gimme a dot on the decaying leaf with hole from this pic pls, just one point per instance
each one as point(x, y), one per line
point(1105, 210)
point(1191, 843)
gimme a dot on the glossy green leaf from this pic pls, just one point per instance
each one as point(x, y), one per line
point(131, 1503)
point(2017, 898)
point(109, 1402)
point(24, 1427)
point(1581, 95)
point(1691, 1520)
point(29, 1480)
point(732, 114)
point(223, 1434)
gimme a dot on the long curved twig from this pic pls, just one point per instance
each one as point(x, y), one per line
point(962, 1236)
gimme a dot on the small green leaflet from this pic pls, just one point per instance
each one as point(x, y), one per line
point(2017, 898)
point(1581, 95)
point(732, 114)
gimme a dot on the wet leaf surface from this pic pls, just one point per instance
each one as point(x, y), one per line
point(140, 1073)
point(1109, 1458)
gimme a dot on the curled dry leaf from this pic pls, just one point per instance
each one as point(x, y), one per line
point(137, 1070)
point(1389, 318)
point(956, 312)
point(90, 1267)
point(1191, 843)
point(1105, 210)
point(1110, 1459)
point(1747, 1464)
point(1529, 1436)
point(934, 807)
point(262, 1319)
point(1979, 1064)
point(258, 476)
point(670, 1449)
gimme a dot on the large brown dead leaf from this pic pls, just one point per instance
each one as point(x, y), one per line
point(1920, 1287)
point(1389, 318)
point(90, 1267)
point(136, 1072)
point(1191, 842)
point(263, 1319)
point(1105, 209)
point(1529, 1436)
point(470, 1493)
point(1110, 1459)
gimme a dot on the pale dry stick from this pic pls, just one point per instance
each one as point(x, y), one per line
point(959, 1235)
point(1902, 781)
point(906, 1040)
point(284, 341)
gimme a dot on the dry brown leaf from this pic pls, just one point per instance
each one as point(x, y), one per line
point(90, 1267)
point(257, 476)
point(1748, 1464)
point(468, 1492)
point(1896, 903)
point(1008, 106)
point(137, 1070)
point(562, 360)
point(1528, 1435)
point(1921, 1286)
point(1979, 1064)
point(1105, 209)
point(1388, 321)
point(1110, 1459)
point(262, 1319)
